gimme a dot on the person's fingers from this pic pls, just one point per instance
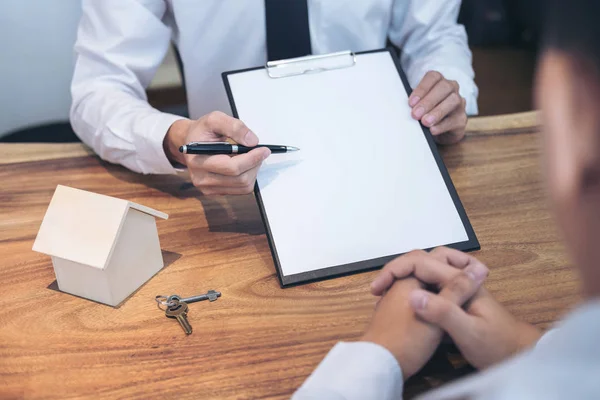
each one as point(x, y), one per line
point(230, 166)
point(443, 313)
point(457, 291)
point(427, 83)
point(223, 124)
point(398, 268)
point(418, 263)
point(451, 130)
point(456, 258)
point(437, 267)
point(463, 286)
point(442, 110)
point(455, 120)
point(435, 96)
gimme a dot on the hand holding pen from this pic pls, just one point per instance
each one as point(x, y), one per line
point(218, 174)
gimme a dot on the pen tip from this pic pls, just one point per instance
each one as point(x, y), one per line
point(292, 148)
point(181, 149)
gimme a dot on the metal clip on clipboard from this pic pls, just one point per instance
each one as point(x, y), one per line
point(310, 64)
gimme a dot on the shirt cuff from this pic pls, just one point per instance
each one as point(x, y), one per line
point(358, 370)
point(152, 158)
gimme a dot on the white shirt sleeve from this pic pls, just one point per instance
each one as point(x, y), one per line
point(430, 38)
point(120, 44)
point(359, 370)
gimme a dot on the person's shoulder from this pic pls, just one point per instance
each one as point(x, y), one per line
point(550, 379)
point(564, 364)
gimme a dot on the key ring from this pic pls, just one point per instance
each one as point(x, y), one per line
point(164, 301)
point(167, 302)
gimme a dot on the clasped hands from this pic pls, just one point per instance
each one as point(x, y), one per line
point(410, 321)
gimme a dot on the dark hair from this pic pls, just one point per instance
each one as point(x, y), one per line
point(573, 27)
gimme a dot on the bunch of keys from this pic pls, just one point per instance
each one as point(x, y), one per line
point(177, 307)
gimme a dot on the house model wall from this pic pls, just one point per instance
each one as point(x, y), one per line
point(102, 248)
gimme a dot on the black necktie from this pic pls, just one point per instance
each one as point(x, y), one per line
point(288, 35)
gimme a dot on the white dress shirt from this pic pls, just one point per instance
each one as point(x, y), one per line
point(121, 43)
point(565, 364)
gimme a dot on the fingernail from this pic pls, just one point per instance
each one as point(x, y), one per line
point(418, 299)
point(419, 112)
point(477, 272)
point(266, 154)
point(250, 139)
point(429, 120)
point(414, 100)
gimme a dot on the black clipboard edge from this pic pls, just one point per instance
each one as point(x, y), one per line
point(471, 244)
point(352, 268)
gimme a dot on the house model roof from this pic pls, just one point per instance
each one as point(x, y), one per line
point(81, 226)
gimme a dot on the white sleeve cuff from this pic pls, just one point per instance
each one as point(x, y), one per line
point(151, 156)
point(359, 370)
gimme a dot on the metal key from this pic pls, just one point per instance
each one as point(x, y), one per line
point(179, 312)
point(211, 295)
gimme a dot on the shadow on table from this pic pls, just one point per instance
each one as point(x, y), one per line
point(235, 214)
point(445, 366)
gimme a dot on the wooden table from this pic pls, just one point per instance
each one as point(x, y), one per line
point(257, 340)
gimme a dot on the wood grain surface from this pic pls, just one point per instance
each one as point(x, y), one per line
point(504, 124)
point(11, 153)
point(257, 340)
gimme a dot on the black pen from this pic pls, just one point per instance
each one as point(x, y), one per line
point(211, 148)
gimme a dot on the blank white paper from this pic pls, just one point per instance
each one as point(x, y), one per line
point(365, 183)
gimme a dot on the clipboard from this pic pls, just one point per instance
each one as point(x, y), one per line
point(318, 223)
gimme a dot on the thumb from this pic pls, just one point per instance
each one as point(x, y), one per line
point(443, 313)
